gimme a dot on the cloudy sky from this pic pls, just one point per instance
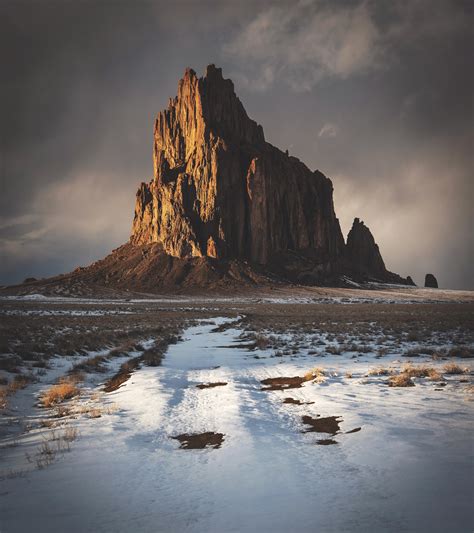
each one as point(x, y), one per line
point(376, 94)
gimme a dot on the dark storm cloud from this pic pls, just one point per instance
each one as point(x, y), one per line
point(375, 94)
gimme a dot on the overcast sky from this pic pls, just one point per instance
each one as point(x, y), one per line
point(378, 95)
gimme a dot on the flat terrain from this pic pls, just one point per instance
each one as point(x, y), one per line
point(303, 410)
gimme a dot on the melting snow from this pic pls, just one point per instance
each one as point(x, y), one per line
point(409, 468)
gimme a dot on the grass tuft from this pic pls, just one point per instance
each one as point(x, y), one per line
point(316, 374)
point(64, 390)
point(422, 372)
point(380, 371)
point(400, 380)
point(453, 368)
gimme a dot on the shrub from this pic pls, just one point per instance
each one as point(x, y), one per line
point(400, 380)
point(92, 364)
point(421, 372)
point(461, 351)
point(65, 390)
point(316, 373)
point(380, 371)
point(453, 368)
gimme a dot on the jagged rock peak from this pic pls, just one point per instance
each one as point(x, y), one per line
point(204, 107)
point(362, 252)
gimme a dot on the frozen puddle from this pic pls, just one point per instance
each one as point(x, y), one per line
point(401, 459)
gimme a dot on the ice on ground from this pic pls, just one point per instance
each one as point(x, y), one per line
point(409, 468)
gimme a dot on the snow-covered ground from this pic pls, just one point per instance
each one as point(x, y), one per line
point(409, 468)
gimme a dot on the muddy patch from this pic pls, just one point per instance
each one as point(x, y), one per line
point(282, 383)
point(296, 402)
point(211, 385)
point(198, 441)
point(326, 442)
point(355, 430)
point(329, 424)
point(250, 346)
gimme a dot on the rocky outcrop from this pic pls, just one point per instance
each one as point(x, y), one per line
point(221, 191)
point(362, 258)
point(362, 252)
point(431, 282)
point(410, 281)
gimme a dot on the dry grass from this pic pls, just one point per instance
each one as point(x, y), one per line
point(70, 434)
point(61, 411)
point(400, 380)
point(317, 374)
point(334, 350)
point(90, 411)
point(65, 390)
point(422, 372)
point(380, 371)
point(463, 352)
point(3, 398)
point(419, 351)
point(19, 382)
point(404, 378)
point(35, 340)
point(52, 445)
point(262, 342)
point(428, 324)
point(92, 364)
point(453, 368)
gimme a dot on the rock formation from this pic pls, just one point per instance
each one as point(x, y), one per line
point(362, 253)
point(225, 208)
point(410, 281)
point(363, 259)
point(431, 282)
point(220, 190)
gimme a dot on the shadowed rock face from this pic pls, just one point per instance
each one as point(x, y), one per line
point(362, 252)
point(431, 281)
point(363, 259)
point(220, 190)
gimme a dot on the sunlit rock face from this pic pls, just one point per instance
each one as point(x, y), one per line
point(220, 190)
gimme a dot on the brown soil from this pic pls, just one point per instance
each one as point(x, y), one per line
point(211, 385)
point(329, 424)
point(282, 383)
point(355, 430)
point(200, 440)
point(250, 346)
point(326, 442)
point(122, 375)
point(296, 402)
